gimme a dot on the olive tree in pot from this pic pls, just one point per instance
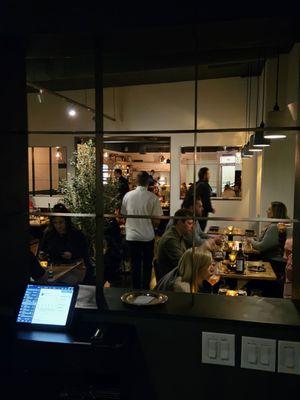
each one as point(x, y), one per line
point(79, 191)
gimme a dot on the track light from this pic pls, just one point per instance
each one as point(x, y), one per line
point(40, 96)
point(72, 112)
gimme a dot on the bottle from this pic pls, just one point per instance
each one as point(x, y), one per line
point(240, 260)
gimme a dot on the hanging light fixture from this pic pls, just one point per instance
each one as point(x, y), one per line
point(258, 139)
point(273, 135)
point(245, 151)
point(253, 148)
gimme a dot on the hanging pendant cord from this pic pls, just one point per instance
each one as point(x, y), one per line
point(247, 99)
point(250, 92)
point(276, 106)
point(257, 99)
point(263, 99)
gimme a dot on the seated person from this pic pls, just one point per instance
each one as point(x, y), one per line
point(200, 236)
point(172, 245)
point(190, 273)
point(268, 241)
point(228, 191)
point(63, 243)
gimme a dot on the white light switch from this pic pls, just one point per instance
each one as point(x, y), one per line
point(212, 348)
point(218, 348)
point(252, 353)
point(289, 357)
point(258, 353)
point(224, 350)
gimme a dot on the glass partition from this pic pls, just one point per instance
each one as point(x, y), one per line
point(161, 137)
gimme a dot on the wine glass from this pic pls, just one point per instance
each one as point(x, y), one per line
point(218, 256)
point(212, 281)
point(214, 278)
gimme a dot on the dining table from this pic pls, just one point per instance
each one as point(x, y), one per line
point(235, 231)
point(71, 274)
point(250, 273)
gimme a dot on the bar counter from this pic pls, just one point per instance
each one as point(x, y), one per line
point(244, 309)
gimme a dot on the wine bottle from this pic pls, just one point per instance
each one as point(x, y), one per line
point(240, 260)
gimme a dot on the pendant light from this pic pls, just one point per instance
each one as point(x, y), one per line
point(258, 140)
point(270, 135)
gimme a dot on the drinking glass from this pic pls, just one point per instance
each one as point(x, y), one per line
point(212, 281)
point(214, 278)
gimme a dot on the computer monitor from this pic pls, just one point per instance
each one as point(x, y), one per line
point(47, 307)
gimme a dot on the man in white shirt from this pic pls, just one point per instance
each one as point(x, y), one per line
point(140, 232)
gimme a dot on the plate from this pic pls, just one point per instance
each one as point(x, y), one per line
point(143, 298)
point(256, 268)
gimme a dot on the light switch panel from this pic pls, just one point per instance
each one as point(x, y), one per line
point(218, 348)
point(288, 357)
point(258, 353)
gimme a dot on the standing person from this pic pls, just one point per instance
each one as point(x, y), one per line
point(152, 181)
point(140, 232)
point(203, 191)
point(123, 183)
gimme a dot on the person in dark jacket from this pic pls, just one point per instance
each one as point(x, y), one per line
point(63, 243)
point(123, 183)
point(203, 191)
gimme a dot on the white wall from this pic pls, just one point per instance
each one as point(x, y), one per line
point(278, 174)
point(224, 208)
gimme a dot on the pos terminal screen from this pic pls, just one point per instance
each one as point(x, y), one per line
point(46, 305)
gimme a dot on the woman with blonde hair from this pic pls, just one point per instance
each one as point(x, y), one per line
point(193, 268)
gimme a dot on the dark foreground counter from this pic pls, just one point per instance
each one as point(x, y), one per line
point(191, 307)
point(156, 352)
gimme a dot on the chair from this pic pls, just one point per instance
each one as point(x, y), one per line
point(34, 245)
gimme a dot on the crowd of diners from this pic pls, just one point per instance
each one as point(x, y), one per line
point(181, 256)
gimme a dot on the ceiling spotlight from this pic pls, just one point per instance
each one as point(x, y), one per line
point(105, 154)
point(72, 112)
point(40, 96)
point(58, 154)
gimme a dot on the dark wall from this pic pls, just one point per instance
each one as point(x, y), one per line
point(14, 170)
point(172, 350)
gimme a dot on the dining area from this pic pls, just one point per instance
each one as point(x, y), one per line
point(242, 269)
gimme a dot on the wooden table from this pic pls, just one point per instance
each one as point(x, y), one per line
point(71, 274)
point(225, 231)
point(242, 279)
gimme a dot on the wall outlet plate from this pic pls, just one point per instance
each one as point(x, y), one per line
point(258, 353)
point(289, 357)
point(218, 348)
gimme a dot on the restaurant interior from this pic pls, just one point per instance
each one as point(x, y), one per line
point(179, 98)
